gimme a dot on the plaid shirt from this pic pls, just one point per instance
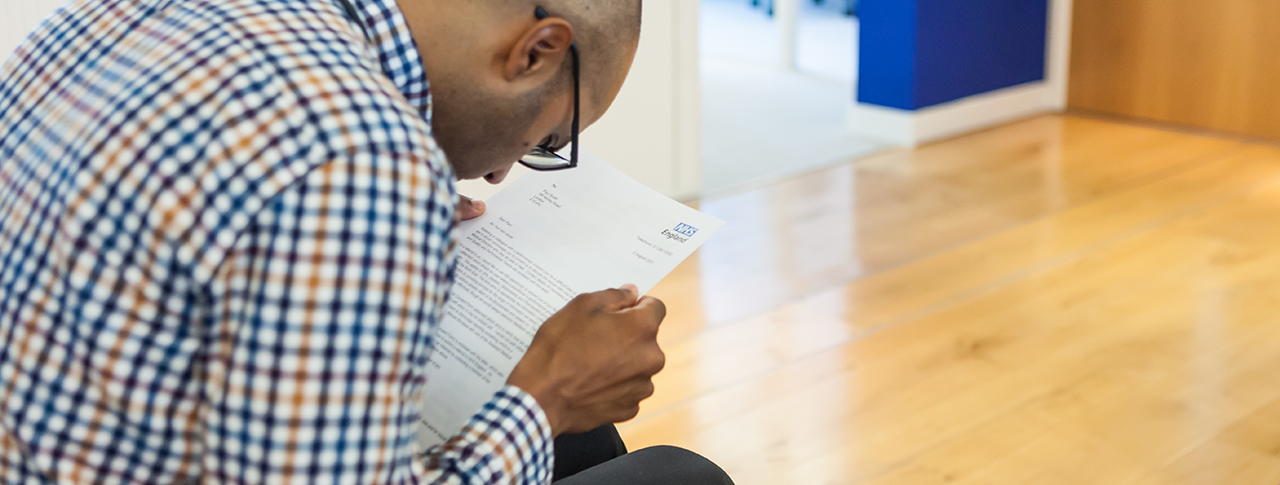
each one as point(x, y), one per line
point(226, 235)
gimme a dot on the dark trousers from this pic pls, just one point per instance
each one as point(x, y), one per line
point(598, 457)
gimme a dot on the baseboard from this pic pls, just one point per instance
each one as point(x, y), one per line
point(913, 128)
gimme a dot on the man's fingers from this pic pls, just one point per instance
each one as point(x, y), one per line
point(655, 308)
point(627, 405)
point(621, 298)
point(469, 208)
point(632, 293)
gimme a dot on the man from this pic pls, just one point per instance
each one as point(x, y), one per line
point(226, 239)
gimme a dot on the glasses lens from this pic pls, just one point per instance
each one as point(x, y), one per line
point(540, 158)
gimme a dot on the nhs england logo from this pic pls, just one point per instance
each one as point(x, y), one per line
point(681, 233)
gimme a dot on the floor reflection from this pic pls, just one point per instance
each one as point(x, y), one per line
point(828, 228)
point(771, 243)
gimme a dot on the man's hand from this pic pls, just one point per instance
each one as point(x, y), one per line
point(469, 208)
point(593, 362)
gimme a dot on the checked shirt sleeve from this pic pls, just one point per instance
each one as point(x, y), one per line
point(327, 307)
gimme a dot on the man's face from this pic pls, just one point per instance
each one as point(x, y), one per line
point(485, 134)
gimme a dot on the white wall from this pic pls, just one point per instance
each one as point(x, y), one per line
point(20, 17)
point(652, 132)
point(1058, 57)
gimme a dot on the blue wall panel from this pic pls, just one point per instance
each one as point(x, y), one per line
point(920, 53)
point(887, 53)
point(967, 47)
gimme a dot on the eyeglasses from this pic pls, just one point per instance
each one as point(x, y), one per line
point(544, 157)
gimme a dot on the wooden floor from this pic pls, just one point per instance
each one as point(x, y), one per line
point(1058, 301)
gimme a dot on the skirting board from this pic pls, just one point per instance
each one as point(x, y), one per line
point(913, 128)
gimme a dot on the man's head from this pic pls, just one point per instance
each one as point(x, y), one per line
point(501, 78)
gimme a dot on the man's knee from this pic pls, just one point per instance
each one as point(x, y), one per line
point(666, 465)
point(692, 468)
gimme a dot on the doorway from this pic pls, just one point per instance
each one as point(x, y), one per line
point(761, 120)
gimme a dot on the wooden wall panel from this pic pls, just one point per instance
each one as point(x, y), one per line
point(1207, 63)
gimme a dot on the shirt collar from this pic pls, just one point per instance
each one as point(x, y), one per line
point(397, 51)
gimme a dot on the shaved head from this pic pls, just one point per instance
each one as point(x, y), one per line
point(605, 31)
point(501, 77)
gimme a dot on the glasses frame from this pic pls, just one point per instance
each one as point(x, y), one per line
point(540, 13)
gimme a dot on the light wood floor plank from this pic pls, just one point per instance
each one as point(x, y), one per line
point(1122, 337)
point(835, 226)
point(830, 318)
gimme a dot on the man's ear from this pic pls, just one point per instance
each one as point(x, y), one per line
point(540, 52)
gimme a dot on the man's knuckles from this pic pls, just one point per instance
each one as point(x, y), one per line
point(626, 414)
point(657, 361)
point(601, 302)
point(613, 298)
point(646, 390)
point(586, 302)
point(650, 312)
point(658, 308)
